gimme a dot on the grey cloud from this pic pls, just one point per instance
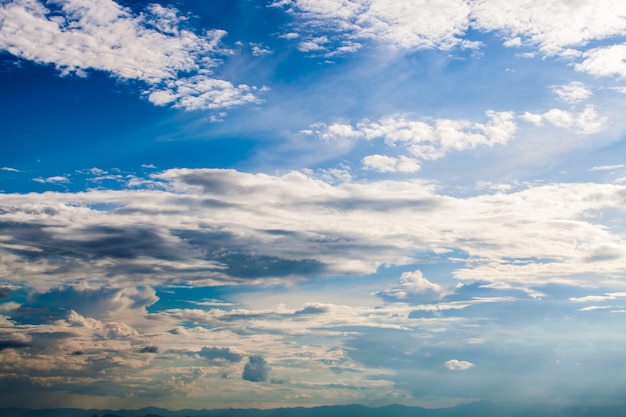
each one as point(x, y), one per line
point(256, 370)
point(13, 344)
point(313, 309)
point(149, 349)
point(6, 290)
point(90, 302)
point(216, 353)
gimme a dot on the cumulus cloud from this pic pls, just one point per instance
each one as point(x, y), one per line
point(423, 139)
point(152, 47)
point(556, 28)
point(412, 286)
point(604, 61)
point(585, 122)
point(573, 92)
point(383, 163)
point(407, 24)
point(91, 302)
point(457, 365)
point(223, 353)
point(256, 370)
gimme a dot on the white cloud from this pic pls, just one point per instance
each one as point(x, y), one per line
point(585, 122)
point(604, 61)
point(313, 45)
point(405, 23)
point(259, 50)
point(557, 28)
point(599, 298)
point(433, 140)
point(607, 167)
point(9, 169)
point(457, 365)
point(573, 92)
point(80, 35)
point(202, 92)
point(415, 284)
point(423, 139)
point(383, 163)
point(52, 180)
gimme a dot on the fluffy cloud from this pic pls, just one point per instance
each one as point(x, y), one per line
point(457, 365)
point(423, 139)
point(152, 47)
point(604, 61)
point(585, 122)
point(383, 163)
point(404, 23)
point(413, 285)
point(217, 353)
point(573, 92)
point(555, 28)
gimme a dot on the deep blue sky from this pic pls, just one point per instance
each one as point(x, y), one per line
point(212, 204)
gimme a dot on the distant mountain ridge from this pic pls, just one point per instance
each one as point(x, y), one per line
point(480, 409)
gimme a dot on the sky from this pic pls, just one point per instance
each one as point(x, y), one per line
point(280, 203)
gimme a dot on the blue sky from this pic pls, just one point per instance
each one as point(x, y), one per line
point(252, 203)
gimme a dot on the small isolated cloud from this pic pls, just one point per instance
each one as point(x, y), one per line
point(256, 370)
point(9, 169)
point(413, 285)
point(457, 365)
point(573, 92)
point(259, 49)
point(220, 353)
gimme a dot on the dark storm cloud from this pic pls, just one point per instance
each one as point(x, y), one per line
point(256, 370)
point(216, 353)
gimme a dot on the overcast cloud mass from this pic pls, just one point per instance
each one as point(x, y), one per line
point(275, 203)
